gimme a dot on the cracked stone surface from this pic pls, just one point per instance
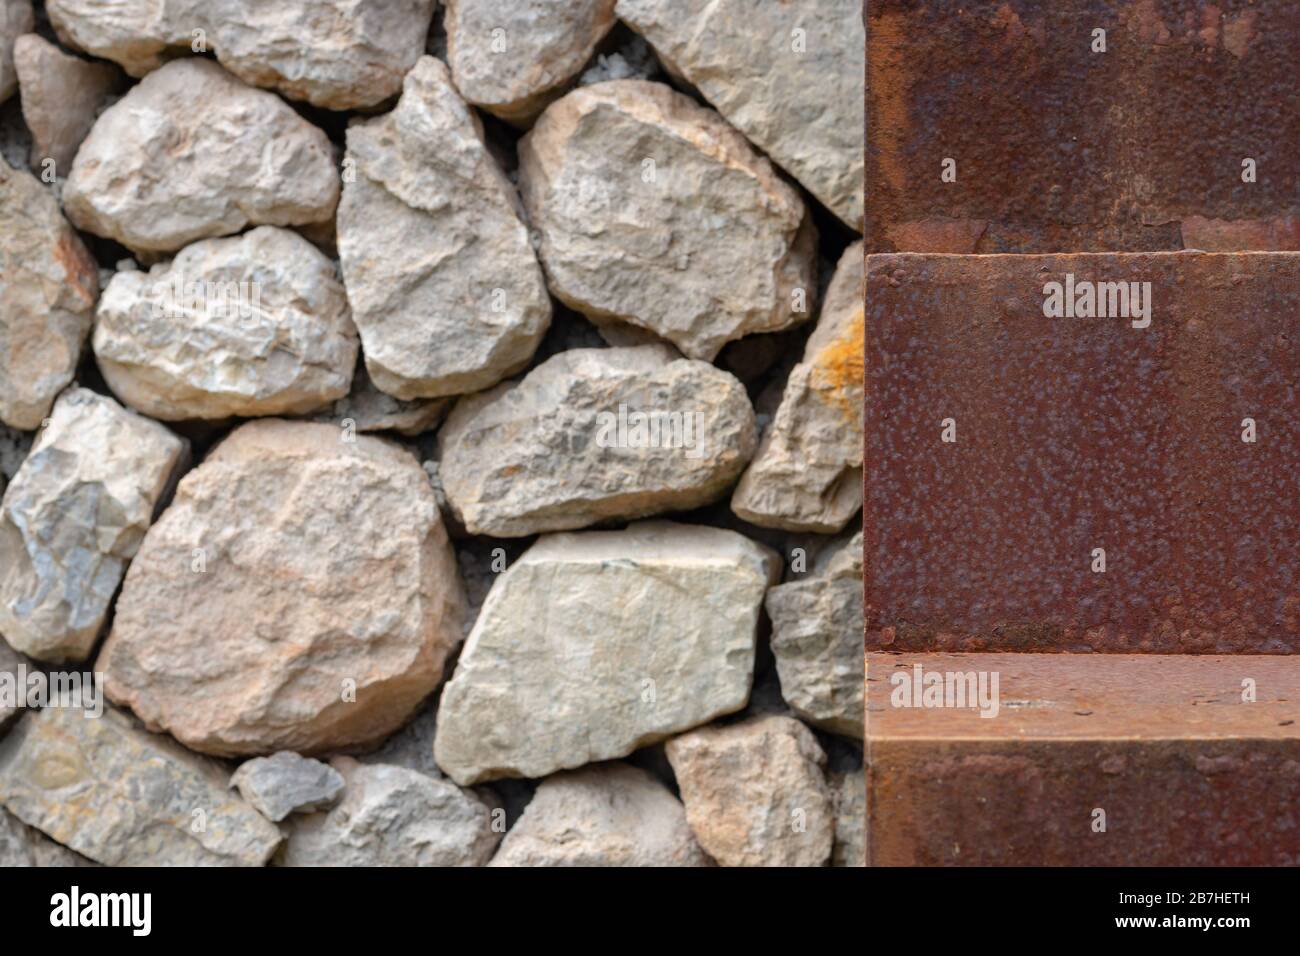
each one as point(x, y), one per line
point(48, 287)
point(594, 644)
point(444, 285)
point(248, 159)
point(592, 434)
point(298, 594)
point(286, 783)
point(73, 518)
point(253, 325)
point(61, 97)
point(651, 210)
point(125, 797)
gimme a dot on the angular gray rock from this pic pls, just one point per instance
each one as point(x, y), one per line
point(286, 783)
point(24, 846)
point(124, 797)
point(755, 793)
point(592, 434)
point(592, 645)
point(849, 792)
point(807, 474)
point(338, 54)
point(788, 76)
point(444, 285)
point(16, 18)
point(10, 663)
point(653, 211)
point(61, 97)
point(512, 58)
point(48, 287)
point(298, 594)
point(605, 815)
point(253, 325)
point(392, 816)
point(817, 639)
point(193, 153)
point(73, 518)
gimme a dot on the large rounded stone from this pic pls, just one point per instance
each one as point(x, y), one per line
point(299, 594)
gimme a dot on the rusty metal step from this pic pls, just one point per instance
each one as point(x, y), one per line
point(1051, 143)
point(1121, 483)
point(1089, 760)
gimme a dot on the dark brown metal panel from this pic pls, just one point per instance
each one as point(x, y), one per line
point(1081, 433)
point(1059, 148)
point(1185, 771)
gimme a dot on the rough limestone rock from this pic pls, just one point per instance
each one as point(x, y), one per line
point(253, 325)
point(286, 783)
point(61, 96)
point(339, 54)
point(16, 18)
point(367, 409)
point(592, 434)
point(755, 793)
point(607, 815)
point(21, 845)
point(298, 594)
point(48, 287)
point(807, 475)
point(393, 816)
point(124, 797)
point(817, 639)
point(592, 645)
point(444, 285)
point(788, 76)
point(653, 211)
point(73, 518)
point(511, 57)
point(849, 792)
point(246, 158)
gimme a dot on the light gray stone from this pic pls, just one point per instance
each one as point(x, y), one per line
point(651, 210)
point(286, 783)
point(444, 286)
point(393, 816)
point(24, 846)
point(511, 57)
point(817, 638)
point(787, 75)
point(807, 475)
point(338, 54)
point(124, 797)
point(755, 792)
point(849, 791)
point(298, 594)
point(592, 434)
point(595, 644)
point(604, 815)
point(367, 409)
point(193, 153)
point(16, 18)
point(48, 287)
point(252, 325)
point(11, 662)
point(61, 97)
point(73, 518)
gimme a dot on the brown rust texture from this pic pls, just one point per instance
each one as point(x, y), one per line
point(1059, 148)
point(1186, 771)
point(1075, 434)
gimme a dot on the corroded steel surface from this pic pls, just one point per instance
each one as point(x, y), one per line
point(1059, 148)
point(1185, 770)
point(1077, 434)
